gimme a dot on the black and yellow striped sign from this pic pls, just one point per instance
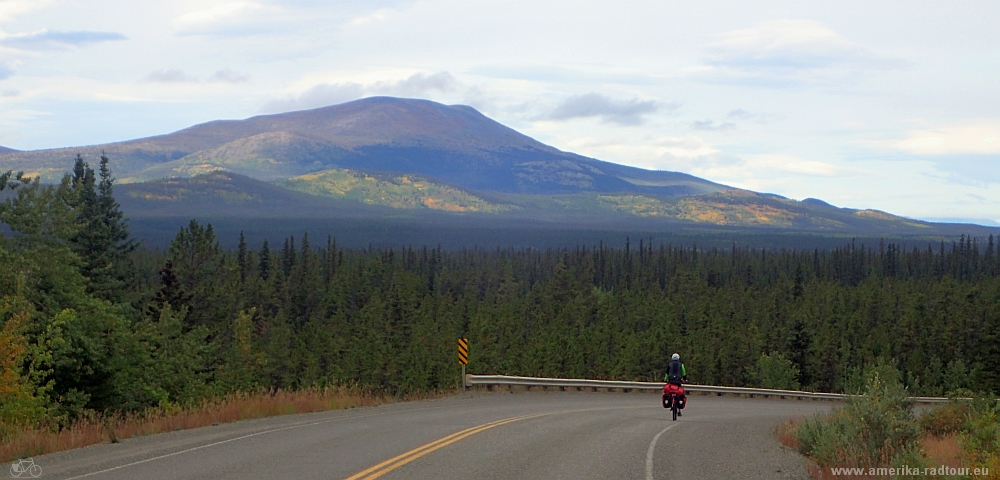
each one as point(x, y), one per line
point(463, 351)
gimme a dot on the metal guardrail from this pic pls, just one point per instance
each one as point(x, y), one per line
point(473, 380)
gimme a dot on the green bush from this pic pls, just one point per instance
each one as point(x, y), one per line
point(775, 371)
point(876, 429)
point(981, 435)
point(945, 419)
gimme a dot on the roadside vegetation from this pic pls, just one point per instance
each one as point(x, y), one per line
point(94, 328)
point(882, 429)
point(89, 428)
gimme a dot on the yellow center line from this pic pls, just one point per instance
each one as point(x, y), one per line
point(400, 460)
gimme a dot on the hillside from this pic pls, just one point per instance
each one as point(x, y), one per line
point(455, 145)
point(350, 194)
point(230, 195)
point(4, 149)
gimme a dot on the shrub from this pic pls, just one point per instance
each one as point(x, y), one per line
point(982, 437)
point(944, 420)
point(876, 429)
point(775, 371)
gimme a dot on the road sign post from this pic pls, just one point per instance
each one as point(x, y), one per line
point(463, 357)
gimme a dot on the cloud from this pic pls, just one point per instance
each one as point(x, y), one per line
point(416, 85)
point(623, 112)
point(9, 93)
point(680, 153)
point(712, 125)
point(741, 114)
point(797, 165)
point(169, 76)
point(731, 121)
point(10, 9)
point(980, 137)
point(562, 74)
point(787, 52)
point(376, 16)
point(229, 76)
point(55, 40)
point(232, 19)
point(5, 71)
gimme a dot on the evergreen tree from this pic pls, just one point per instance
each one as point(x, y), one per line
point(241, 257)
point(103, 241)
point(265, 261)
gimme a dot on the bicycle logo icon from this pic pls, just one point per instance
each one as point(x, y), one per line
point(25, 465)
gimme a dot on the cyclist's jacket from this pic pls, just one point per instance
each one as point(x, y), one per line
point(675, 372)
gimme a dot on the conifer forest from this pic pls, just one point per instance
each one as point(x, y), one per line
point(92, 321)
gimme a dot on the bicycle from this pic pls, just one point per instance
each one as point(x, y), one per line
point(25, 465)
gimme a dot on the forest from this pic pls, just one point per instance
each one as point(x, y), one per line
point(91, 321)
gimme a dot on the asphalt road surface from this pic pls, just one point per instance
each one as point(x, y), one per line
point(543, 435)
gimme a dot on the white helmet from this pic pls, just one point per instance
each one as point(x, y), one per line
point(675, 357)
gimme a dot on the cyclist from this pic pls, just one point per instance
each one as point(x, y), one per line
point(676, 374)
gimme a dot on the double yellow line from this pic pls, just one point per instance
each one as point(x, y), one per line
point(398, 461)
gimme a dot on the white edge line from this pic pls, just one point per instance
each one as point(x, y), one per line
point(652, 448)
point(648, 462)
point(232, 440)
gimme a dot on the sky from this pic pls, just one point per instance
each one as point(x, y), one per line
point(891, 105)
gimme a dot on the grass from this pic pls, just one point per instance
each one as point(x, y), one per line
point(872, 432)
point(114, 428)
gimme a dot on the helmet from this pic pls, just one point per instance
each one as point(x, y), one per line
point(675, 357)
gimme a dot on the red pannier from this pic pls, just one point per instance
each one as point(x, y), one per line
point(673, 393)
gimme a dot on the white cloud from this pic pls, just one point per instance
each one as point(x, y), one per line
point(229, 76)
point(416, 85)
point(231, 19)
point(169, 76)
point(52, 40)
point(770, 163)
point(555, 73)
point(376, 16)
point(678, 153)
point(787, 52)
point(9, 9)
point(980, 137)
point(609, 110)
point(731, 121)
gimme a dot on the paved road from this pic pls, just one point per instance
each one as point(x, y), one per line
point(484, 436)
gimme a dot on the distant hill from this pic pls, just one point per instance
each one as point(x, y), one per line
point(351, 194)
point(390, 158)
point(454, 144)
point(4, 149)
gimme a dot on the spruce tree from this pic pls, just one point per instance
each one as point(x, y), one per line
point(103, 241)
point(265, 261)
point(241, 257)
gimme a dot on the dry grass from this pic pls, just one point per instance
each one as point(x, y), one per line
point(785, 433)
point(100, 429)
point(944, 450)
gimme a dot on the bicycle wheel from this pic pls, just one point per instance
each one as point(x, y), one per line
point(35, 471)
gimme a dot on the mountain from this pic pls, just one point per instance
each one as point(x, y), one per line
point(4, 149)
point(453, 144)
point(391, 158)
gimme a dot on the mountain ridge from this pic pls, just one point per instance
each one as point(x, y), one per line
point(393, 158)
point(453, 144)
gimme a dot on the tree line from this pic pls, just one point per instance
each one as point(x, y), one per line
point(92, 322)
